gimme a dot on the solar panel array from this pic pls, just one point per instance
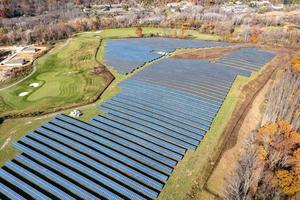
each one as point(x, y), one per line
point(125, 55)
point(130, 152)
point(248, 59)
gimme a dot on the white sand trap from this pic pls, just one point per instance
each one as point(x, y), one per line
point(35, 85)
point(22, 94)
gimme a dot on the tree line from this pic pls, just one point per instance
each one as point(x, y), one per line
point(269, 165)
point(54, 20)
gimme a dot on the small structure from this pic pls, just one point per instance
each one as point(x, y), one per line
point(30, 50)
point(160, 52)
point(16, 62)
point(75, 113)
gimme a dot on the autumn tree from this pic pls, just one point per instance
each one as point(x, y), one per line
point(269, 167)
point(254, 35)
point(139, 31)
point(296, 65)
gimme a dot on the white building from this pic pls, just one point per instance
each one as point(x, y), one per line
point(30, 50)
point(16, 63)
point(75, 113)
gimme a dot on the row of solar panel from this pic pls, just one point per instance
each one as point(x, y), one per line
point(184, 69)
point(104, 158)
point(250, 59)
point(216, 85)
point(141, 106)
point(182, 95)
point(200, 90)
point(126, 55)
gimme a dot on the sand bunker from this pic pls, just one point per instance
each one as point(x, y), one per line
point(22, 94)
point(35, 85)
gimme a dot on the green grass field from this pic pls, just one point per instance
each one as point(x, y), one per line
point(65, 77)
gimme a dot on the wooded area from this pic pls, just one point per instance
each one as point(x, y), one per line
point(34, 21)
point(269, 166)
point(284, 100)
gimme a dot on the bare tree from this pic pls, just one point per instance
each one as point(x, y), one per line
point(284, 100)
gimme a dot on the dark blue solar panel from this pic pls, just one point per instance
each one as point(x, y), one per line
point(152, 124)
point(104, 155)
point(126, 152)
point(174, 125)
point(154, 101)
point(250, 59)
point(128, 54)
point(37, 180)
point(5, 190)
point(166, 112)
point(68, 185)
point(136, 123)
point(22, 185)
point(165, 144)
point(172, 102)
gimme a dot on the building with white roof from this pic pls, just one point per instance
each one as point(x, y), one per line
point(16, 62)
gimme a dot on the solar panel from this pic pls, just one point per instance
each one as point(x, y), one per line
point(22, 185)
point(165, 112)
point(94, 150)
point(37, 180)
point(122, 150)
point(9, 193)
point(179, 151)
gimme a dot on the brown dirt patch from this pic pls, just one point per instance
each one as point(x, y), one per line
point(205, 53)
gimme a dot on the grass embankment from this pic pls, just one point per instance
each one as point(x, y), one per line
point(191, 172)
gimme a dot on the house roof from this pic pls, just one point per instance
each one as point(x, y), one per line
point(16, 61)
point(30, 49)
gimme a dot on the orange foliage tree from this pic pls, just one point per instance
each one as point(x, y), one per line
point(269, 167)
point(280, 154)
point(254, 35)
point(139, 31)
point(296, 65)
